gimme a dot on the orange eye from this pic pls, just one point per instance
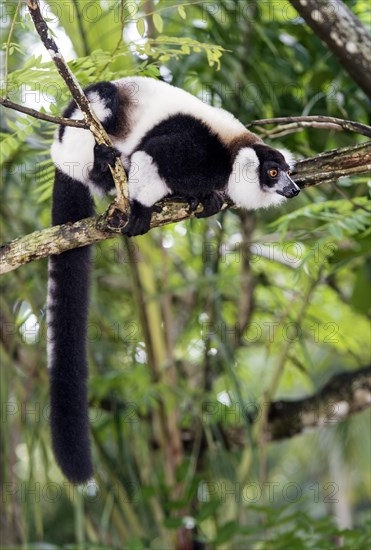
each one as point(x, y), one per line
point(273, 173)
point(289, 173)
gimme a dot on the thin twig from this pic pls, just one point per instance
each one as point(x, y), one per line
point(286, 130)
point(82, 32)
point(120, 41)
point(262, 424)
point(316, 121)
point(8, 46)
point(42, 116)
point(94, 124)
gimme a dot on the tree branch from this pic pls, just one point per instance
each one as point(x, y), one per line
point(345, 394)
point(94, 124)
point(43, 116)
point(295, 123)
point(324, 168)
point(332, 165)
point(335, 24)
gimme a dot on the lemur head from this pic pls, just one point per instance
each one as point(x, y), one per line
point(261, 177)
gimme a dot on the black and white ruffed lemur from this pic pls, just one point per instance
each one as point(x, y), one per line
point(170, 142)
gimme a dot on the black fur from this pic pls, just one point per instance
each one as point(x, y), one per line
point(108, 92)
point(68, 362)
point(190, 158)
point(140, 218)
point(199, 165)
point(212, 204)
point(100, 174)
point(69, 304)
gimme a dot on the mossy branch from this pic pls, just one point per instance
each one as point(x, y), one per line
point(324, 168)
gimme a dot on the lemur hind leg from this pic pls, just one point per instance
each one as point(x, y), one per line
point(193, 202)
point(212, 204)
point(146, 187)
point(140, 219)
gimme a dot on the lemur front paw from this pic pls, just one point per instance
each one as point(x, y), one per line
point(104, 156)
point(212, 204)
point(139, 221)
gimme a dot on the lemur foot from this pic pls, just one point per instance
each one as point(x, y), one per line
point(139, 221)
point(193, 203)
point(212, 204)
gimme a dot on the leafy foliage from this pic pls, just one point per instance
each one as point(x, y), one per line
point(191, 324)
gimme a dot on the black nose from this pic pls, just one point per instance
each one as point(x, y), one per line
point(291, 191)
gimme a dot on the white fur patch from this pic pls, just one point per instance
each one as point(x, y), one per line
point(74, 155)
point(98, 105)
point(289, 157)
point(145, 184)
point(50, 316)
point(152, 101)
point(243, 184)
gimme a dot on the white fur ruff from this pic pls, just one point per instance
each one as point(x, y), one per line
point(243, 184)
point(289, 157)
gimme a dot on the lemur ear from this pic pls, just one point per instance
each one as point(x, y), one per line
point(289, 157)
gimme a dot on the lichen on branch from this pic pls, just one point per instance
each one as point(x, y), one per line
point(324, 168)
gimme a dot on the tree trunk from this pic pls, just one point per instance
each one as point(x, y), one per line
point(344, 34)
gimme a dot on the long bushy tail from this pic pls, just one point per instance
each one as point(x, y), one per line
point(67, 311)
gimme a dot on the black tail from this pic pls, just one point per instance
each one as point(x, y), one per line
point(67, 311)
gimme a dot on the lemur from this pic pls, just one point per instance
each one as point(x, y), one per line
point(170, 143)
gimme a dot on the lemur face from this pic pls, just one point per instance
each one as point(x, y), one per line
point(261, 178)
point(274, 172)
point(275, 178)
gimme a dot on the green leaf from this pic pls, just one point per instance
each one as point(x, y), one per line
point(135, 544)
point(182, 12)
point(141, 28)
point(361, 297)
point(208, 509)
point(45, 195)
point(227, 531)
point(158, 22)
point(173, 523)
point(335, 231)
